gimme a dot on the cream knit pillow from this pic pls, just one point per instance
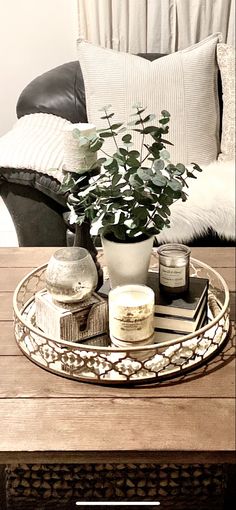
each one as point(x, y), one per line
point(226, 61)
point(184, 83)
point(35, 143)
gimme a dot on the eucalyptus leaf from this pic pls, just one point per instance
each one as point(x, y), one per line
point(108, 218)
point(164, 210)
point(123, 151)
point(120, 159)
point(196, 167)
point(158, 221)
point(128, 193)
point(116, 126)
point(149, 118)
point(120, 155)
point(170, 168)
point(164, 121)
point(165, 113)
point(108, 116)
point(149, 130)
point(133, 162)
point(159, 180)
point(127, 138)
point(108, 163)
point(181, 168)
point(145, 174)
point(164, 154)
point(115, 179)
point(96, 145)
point(175, 185)
point(140, 212)
point(134, 154)
point(167, 142)
point(158, 164)
point(184, 196)
point(120, 232)
point(191, 175)
point(165, 199)
point(135, 181)
point(106, 134)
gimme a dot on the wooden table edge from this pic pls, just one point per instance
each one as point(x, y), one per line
point(117, 457)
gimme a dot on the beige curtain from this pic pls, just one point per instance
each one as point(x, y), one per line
point(154, 25)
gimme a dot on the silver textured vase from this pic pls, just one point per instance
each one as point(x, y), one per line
point(71, 275)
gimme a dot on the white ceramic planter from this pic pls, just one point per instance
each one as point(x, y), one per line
point(127, 262)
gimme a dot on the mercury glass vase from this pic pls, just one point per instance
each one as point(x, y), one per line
point(71, 275)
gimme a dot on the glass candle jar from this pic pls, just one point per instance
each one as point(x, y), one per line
point(174, 268)
point(71, 275)
point(131, 315)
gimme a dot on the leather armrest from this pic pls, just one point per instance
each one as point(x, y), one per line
point(59, 91)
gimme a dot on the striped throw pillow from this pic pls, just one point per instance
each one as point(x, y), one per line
point(183, 83)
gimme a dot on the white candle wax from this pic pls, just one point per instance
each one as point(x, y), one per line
point(131, 311)
point(175, 262)
point(78, 158)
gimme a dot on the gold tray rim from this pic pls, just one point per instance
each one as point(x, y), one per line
point(81, 346)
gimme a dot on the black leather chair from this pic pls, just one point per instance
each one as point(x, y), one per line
point(34, 200)
point(37, 207)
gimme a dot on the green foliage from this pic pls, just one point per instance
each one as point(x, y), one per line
point(133, 192)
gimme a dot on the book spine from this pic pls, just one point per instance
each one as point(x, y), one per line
point(180, 324)
point(180, 312)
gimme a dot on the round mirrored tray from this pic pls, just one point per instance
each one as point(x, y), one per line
point(99, 362)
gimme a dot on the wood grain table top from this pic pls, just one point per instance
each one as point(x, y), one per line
point(48, 418)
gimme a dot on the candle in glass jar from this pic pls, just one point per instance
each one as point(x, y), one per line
point(77, 155)
point(131, 314)
point(174, 268)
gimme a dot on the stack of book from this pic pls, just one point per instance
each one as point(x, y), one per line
point(177, 316)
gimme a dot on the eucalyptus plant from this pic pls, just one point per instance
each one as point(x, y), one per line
point(129, 198)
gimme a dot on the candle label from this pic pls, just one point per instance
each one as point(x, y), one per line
point(131, 313)
point(172, 276)
point(131, 330)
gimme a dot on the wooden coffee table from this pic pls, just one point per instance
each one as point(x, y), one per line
point(47, 418)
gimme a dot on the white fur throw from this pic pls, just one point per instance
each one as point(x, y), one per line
point(211, 204)
point(36, 143)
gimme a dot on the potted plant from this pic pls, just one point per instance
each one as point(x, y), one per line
point(127, 201)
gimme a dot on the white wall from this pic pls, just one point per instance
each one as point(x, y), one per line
point(35, 35)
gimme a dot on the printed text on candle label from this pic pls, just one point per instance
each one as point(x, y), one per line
point(135, 328)
point(172, 276)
